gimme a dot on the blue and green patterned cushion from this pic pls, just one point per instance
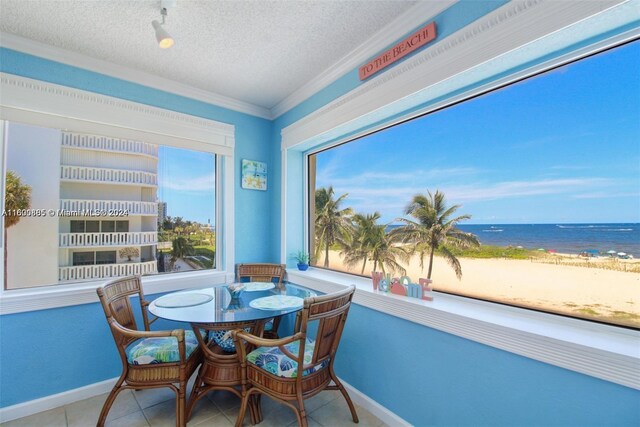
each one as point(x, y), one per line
point(273, 360)
point(146, 351)
point(225, 343)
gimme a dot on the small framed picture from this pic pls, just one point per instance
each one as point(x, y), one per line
point(254, 175)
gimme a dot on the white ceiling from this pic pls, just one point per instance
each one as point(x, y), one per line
point(259, 52)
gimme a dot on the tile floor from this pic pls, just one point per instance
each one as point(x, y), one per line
point(156, 408)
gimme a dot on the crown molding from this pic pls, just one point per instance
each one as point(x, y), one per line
point(460, 60)
point(412, 18)
point(31, 47)
point(47, 104)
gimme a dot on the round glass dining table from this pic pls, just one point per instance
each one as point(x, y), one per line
point(216, 306)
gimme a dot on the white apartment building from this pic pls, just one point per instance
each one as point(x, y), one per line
point(103, 191)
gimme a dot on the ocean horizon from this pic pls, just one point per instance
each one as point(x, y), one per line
point(571, 238)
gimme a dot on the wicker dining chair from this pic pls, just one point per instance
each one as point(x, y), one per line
point(220, 369)
point(264, 272)
point(150, 359)
point(274, 367)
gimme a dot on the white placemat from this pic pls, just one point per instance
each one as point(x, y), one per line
point(258, 286)
point(182, 300)
point(277, 302)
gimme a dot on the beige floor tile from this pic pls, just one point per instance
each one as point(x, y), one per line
point(151, 397)
point(321, 399)
point(161, 415)
point(136, 419)
point(336, 413)
point(310, 421)
point(218, 421)
point(204, 410)
point(86, 412)
point(275, 414)
point(52, 418)
point(224, 400)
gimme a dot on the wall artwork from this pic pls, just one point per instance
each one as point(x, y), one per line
point(254, 175)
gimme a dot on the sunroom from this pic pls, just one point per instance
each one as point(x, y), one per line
point(274, 132)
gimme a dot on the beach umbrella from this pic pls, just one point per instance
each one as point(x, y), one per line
point(622, 254)
point(611, 252)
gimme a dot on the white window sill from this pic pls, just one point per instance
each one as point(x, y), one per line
point(602, 351)
point(41, 298)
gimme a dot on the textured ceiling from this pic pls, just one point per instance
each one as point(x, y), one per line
point(254, 51)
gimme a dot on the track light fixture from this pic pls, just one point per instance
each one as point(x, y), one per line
point(165, 40)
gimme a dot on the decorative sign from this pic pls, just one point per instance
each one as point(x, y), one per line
point(254, 175)
point(400, 50)
point(402, 286)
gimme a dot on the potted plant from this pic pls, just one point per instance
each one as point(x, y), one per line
point(303, 260)
point(128, 253)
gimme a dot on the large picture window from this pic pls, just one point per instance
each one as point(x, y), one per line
point(526, 196)
point(89, 207)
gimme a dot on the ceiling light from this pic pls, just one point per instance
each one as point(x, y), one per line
point(165, 40)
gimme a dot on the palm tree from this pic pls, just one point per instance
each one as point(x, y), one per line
point(434, 229)
point(180, 248)
point(17, 197)
point(333, 224)
point(371, 242)
point(362, 240)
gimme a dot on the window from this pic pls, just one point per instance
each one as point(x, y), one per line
point(97, 199)
point(99, 226)
point(539, 179)
point(93, 258)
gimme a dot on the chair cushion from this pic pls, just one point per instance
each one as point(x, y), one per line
point(146, 351)
point(225, 344)
point(273, 360)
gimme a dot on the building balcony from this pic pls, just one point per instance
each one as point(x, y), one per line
point(108, 176)
point(131, 207)
point(102, 143)
point(104, 271)
point(96, 240)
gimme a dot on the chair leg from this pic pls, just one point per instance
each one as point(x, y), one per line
point(180, 404)
point(345, 394)
point(246, 395)
point(194, 396)
point(301, 413)
point(110, 399)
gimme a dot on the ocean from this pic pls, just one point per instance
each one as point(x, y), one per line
point(565, 238)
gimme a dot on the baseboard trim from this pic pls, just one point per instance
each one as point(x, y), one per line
point(383, 414)
point(55, 400)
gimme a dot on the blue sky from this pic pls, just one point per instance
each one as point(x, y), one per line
point(562, 147)
point(186, 183)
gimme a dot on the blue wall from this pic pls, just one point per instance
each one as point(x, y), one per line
point(423, 375)
point(72, 347)
point(432, 378)
point(253, 137)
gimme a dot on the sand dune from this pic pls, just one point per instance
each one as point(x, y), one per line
point(612, 296)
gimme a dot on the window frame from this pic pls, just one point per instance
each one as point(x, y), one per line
point(50, 105)
point(310, 180)
point(417, 86)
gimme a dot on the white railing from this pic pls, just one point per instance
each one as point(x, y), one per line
point(131, 207)
point(93, 142)
point(116, 176)
point(74, 240)
point(87, 272)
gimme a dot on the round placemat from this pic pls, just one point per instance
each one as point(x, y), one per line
point(258, 286)
point(277, 302)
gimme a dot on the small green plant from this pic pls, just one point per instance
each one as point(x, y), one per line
point(301, 257)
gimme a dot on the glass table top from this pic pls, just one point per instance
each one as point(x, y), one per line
point(215, 304)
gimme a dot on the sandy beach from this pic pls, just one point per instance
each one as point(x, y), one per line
point(596, 293)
